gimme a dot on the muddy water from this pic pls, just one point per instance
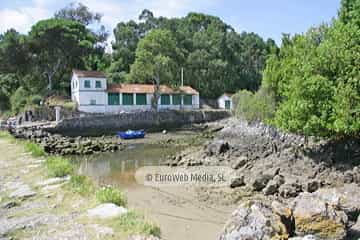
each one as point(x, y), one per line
point(175, 209)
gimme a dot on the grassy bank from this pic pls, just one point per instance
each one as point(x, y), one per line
point(82, 189)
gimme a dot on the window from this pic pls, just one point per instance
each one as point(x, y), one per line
point(113, 99)
point(188, 100)
point(165, 99)
point(127, 99)
point(140, 99)
point(227, 104)
point(98, 84)
point(92, 102)
point(176, 99)
point(87, 84)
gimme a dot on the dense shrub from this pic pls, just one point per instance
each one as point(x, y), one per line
point(135, 223)
point(254, 107)
point(58, 167)
point(111, 195)
point(81, 184)
point(19, 100)
point(35, 149)
point(35, 99)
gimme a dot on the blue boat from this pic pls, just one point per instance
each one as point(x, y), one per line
point(131, 134)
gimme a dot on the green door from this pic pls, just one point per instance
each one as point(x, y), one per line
point(227, 104)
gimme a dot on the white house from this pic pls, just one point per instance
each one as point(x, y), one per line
point(92, 93)
point(225, 101)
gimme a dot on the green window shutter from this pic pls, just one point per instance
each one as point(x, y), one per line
point(165, 99)
point(128, 99)
point(87, 84)
point(176, 99)
point(98, 84)
point(188, 100)
point(227, 104)
point(140, 99)
point(113, 99)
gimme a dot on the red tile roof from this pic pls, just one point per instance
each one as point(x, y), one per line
point(92, 74)
point(148, 88)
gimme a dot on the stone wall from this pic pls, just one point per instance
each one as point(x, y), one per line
point(148, 120)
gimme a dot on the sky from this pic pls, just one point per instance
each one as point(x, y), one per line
point(268, 18)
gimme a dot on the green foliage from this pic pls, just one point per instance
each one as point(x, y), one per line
point(35, 99)
point(214, 56)
point(19, 100)
point(58, 167)
point(81, 184)
point(35, 149)
point(259, 106)
point(315, 79)
point(134, 223)
point(350, 11)
point(58, 44)
point(155, 57)
point(111, 195)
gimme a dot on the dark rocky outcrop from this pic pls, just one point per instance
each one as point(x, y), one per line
point(58, 144)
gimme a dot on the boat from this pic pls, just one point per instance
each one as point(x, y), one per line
point(131, 134)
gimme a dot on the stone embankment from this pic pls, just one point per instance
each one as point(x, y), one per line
point(63, 145)
point(95, 125)
point(316, 182)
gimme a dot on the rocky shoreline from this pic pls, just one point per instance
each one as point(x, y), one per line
point(63, 145)
point(310, 179)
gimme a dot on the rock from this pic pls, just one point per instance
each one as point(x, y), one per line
point(237, 181)
point(107, 210)
point(354, 232)
point(289, 190)
point(217, 147)
point(10, 204)
point(141, 237)
point(254, 220)
point(24, 191)
point(271, 188)
point(315, 216)
point(52, 181)
point(259, 182)
point(102, 231)
point(285, 214)
point(311, 186)
point(239, 162)
point(345, 198)
point(307, 237)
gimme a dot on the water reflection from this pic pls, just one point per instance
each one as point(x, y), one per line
point(119, 168)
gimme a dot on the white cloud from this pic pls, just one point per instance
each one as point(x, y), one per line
point(23, 17)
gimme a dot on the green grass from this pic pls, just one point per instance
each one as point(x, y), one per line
point(135, 223)
point(59, 167)
point(35, 149)
point(81, 184)
point(111, 195)
point(5, 134)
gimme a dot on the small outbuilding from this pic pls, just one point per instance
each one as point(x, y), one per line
point(225, 101)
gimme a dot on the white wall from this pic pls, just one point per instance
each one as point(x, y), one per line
point(84, 96)
point(221, 101)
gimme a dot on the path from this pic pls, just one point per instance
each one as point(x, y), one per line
point(33, 208)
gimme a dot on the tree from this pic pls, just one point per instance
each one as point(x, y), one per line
point(78, 12)
point(92, 20)
point(155, 61)
point(59, 45)
point(350, 11)
point(215, 57)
